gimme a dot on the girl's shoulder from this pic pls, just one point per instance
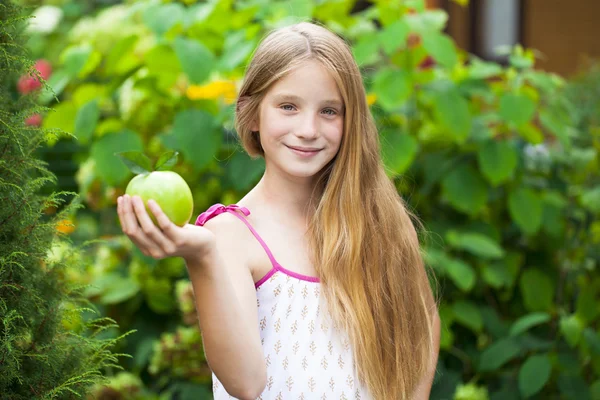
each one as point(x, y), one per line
point(223, 221)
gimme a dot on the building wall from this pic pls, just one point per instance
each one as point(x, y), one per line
point(566, 32)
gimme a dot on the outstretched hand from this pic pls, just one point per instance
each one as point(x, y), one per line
point(165, 240)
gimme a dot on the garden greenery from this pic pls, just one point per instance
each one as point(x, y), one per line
point(500, 162)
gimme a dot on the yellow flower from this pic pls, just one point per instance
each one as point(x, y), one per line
point(371, 98)
point(213, 90)
point(65, 226)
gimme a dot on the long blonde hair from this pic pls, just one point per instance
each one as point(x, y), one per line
point(364, 245)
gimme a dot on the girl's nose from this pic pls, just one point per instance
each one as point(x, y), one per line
point(309, 128)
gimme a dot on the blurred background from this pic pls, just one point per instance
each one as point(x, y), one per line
point(489, 114)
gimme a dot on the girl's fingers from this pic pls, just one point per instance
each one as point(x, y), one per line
point(120, 208)
point(131, 228)
point(128, 219)
point(149, 229)
point(164, 223)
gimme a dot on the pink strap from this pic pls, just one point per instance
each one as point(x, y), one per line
point(218, 208)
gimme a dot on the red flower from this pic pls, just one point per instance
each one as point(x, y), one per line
point(28, 83)
point(34, 120)
point(428, 62)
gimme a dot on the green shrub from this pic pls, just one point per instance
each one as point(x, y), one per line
point(497, 161)
point(51, 345)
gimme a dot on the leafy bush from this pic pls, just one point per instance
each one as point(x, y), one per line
point(499, 162)
point(51, 345)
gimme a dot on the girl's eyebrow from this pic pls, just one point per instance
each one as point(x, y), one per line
point(293, 97)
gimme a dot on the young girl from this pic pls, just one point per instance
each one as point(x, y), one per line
point(312, 286)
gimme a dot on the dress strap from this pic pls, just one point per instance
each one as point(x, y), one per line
point(218, 208)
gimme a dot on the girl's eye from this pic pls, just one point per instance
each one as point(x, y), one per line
point(331, 110)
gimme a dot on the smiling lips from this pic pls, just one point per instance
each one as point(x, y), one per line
point(304, 151)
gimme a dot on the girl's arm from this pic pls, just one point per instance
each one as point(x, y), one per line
point(225, 299)
point(424, 388)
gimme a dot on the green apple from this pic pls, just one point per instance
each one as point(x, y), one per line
point(169, 190)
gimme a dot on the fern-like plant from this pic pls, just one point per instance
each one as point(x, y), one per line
point(42, 355)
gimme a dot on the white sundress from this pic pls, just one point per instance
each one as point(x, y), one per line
point(306, 356)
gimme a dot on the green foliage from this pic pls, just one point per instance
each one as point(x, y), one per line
point(51, 344)
point(501, 164)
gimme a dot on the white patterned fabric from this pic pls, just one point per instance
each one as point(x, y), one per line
point(307, 357)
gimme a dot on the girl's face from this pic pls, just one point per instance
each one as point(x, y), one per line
point(301, 121)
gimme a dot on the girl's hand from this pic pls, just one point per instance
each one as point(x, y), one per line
point(165, 240)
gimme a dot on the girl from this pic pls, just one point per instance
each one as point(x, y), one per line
point(311, 286)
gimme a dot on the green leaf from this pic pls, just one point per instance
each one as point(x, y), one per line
point(537, 290)
point(107, 164)
point(590, 199)
point(366, 49)
point(496, 275)
point(593, 340)
point(573, 387)
point(158, 294)
point(196, 60)
point(190, 391)
point(243, 171)
point(556, 126)
point(534, 374)
point(398, 151)
point(452, 111)
point(497, 160)
point(166, 161)
point(392, 87)
point(475, 243)
point(160, 18)
point(595, 390)
point(461, 273)
point(520, 61)
point(136, 161)
point(74, 58)
point(528, 321)
point(498, 354)
point(482, 70)
point(441, 48)
point(571, 327)
point(235, 50)
point(465, 190)
point(531, 133)
point(302, 9)
point(162, 62)
point(587, 303)
point(61, 116)
point(428, 21)
point(86, 121)
point(503, 272)
point(526, 209)
point(516, 109)
point(197, 136)
point(57, 83)
point(393, 37)
point(468, 315)
point(122, 57)
point(119, 289)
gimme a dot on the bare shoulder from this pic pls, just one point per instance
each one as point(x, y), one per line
point(230, 233)
point(225, 225)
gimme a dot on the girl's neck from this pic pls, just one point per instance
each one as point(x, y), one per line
point(286, 198)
